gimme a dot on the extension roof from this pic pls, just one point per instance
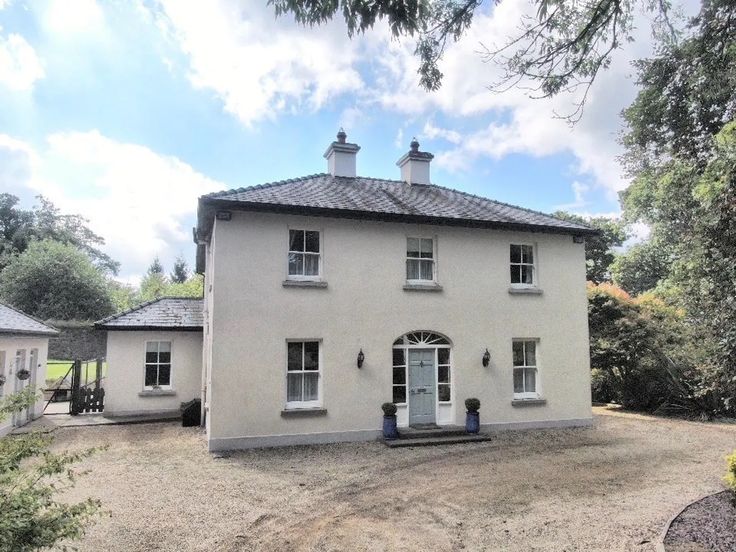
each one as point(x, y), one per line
point(15, 322)
point(378, 199)
point(166, 313)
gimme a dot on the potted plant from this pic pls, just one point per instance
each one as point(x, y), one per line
point(472, 417)
point(3, 379)
point(389, 421)
point(23, 374)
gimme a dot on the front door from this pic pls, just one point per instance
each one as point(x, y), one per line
point(421, 387)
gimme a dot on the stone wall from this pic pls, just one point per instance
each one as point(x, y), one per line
point(77, 340)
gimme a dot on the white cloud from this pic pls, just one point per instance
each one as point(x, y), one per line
point(432, 132)
point(20, 67)
point(141, 202)
point(71, 18)
point(579, 189)
point(260, 66)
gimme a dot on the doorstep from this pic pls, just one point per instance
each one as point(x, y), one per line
point(433, 436)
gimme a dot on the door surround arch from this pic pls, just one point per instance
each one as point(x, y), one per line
point(411, 387)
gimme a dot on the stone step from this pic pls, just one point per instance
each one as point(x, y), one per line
point(436, 440)
point(446, 431)
point(411, 433)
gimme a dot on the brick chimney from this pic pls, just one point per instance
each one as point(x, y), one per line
point(415, 165)
point(341, 156)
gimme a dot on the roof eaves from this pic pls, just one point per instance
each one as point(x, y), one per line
point(258, 206)
point(51, 329)
point(100, 323)
point(149, 327)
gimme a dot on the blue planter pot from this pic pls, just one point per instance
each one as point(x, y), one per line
point(389, 427)
point(472, 422)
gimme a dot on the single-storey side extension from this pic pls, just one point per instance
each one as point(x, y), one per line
point(154, 357)
point(24, 345)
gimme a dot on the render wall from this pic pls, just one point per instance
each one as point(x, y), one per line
point(9, 345)
point(365, 307)
point(124, 393)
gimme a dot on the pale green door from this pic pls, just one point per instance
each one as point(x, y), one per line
point(421, 387)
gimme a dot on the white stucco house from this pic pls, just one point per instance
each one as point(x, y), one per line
point(24, 345)
point(328, 295)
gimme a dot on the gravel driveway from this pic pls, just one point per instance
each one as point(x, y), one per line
point(610, 487)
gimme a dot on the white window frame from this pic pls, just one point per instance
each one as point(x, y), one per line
point(533, 265)
point(295, 405)
point(407, 258)
point(320, 254)
point(170, 386)
point(537, 382)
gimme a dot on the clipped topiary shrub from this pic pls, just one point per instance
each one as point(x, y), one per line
point(389, 409)
point(472, 405)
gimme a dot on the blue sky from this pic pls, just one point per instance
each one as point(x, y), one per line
point(126, 112)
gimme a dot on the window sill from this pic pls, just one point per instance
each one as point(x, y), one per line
point(303, 412)
point(157, 393)
point(528, 402)
point(304, 283)
point(423, 287)
point(525, 291)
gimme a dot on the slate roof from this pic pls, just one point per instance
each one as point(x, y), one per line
point(378, 199)
point(15, 322)
point(166, 313)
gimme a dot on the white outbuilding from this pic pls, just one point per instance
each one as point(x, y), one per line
point(24, 345)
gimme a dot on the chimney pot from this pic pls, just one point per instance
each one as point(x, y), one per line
point(414, 164)
point(341, 156)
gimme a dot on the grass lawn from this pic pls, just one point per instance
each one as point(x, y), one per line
point(58, 368)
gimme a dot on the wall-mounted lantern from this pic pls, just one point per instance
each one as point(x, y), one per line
point(361, 358)
point(486, 358)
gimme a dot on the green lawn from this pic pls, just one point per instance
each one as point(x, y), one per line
point(58, 368)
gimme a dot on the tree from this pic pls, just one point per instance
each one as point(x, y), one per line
point(153, 286)
point(180, 274)
point(30, 478)
point(18, 228)
point(53, 280)
point(156, 267)
point(562, 48)
point(599, 250)
point(642, 267)
point(642, 354)
point(192, 287)
point(688, 92)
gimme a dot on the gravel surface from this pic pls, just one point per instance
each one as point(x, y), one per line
point(709, 524)
point(610, 487)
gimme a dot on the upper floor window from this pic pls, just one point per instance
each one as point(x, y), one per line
point(420, 259)
point(302, 374)
point(158, 365)
point(525, 369)
point(304, 254)
point(522, 265)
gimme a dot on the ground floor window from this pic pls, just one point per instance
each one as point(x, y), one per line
point(525, 368)
point(158, 365)
point(302, 373)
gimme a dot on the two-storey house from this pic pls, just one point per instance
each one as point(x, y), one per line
point(329, 294)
